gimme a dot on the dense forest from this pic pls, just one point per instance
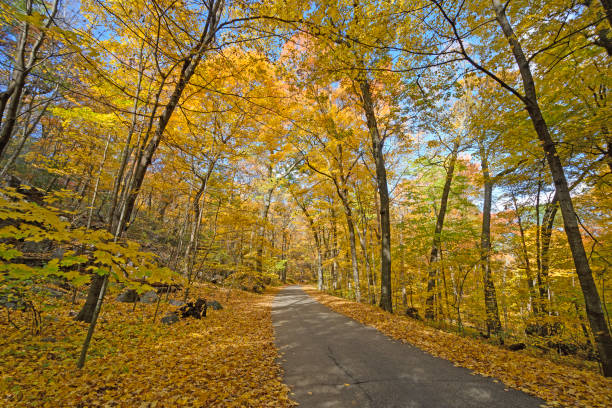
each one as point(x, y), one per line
point(446, 160)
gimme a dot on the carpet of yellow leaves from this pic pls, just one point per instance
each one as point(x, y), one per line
point(224, 360)
point(558, 385)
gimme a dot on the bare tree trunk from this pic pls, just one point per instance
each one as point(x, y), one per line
point(353, 246)
point(547, 226)
point(364, 247)
point(27, 130)
point(192, 244)
point(334, 269)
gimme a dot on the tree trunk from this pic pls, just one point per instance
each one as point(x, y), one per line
point(594, 309)
point(87, 311)
point(437, 240)
point(262, 230)
point(532, 294)
point(352, 242)
point(383, 192)
point(547, 226)
point(492, 312)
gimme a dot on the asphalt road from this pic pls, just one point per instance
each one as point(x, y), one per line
point(332, 361)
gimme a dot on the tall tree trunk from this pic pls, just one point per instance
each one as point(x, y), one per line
point(594, 309)
point(490, 297)
point(547, 227)
point(262, 229)
point(437, 240)
point(532, 294)
point(383, 192)
point(342, 193)
point(334, 255)
point(192, 245)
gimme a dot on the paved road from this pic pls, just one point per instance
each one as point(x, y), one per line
point(332, 361)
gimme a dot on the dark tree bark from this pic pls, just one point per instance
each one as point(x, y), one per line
point(87, 311)
point(547, 227)
point(383, 192)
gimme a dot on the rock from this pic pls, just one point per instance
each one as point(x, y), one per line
point(564, 349)
point(413, 312)
point(170, 318)
point(217, 279)
point(175, 302)
point(37, 247)
point(256, 288)
point(215, 305)
point(12, 302)
point(31, 194)
point(57, 294)
point(195, 309)
point(129, 296)
point(58, 253)
point(545, 329)
point(149, 297)
point(517, 347)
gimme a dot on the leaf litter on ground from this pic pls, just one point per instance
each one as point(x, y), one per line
point(227, 359)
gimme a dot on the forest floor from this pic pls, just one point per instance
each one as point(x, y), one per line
point(224, 360)
point(558, 385)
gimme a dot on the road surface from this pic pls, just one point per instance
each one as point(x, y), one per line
point(330, 360)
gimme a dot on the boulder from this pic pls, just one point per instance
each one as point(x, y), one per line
point(217, 279)
point(413, 312)
point(170, 318)
point(12, 302)
point(214, 304)
point(149, 297)
point(195, 309)
point(54, 293)
point(129, 296)
point(517, 347)
point(175, 302)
